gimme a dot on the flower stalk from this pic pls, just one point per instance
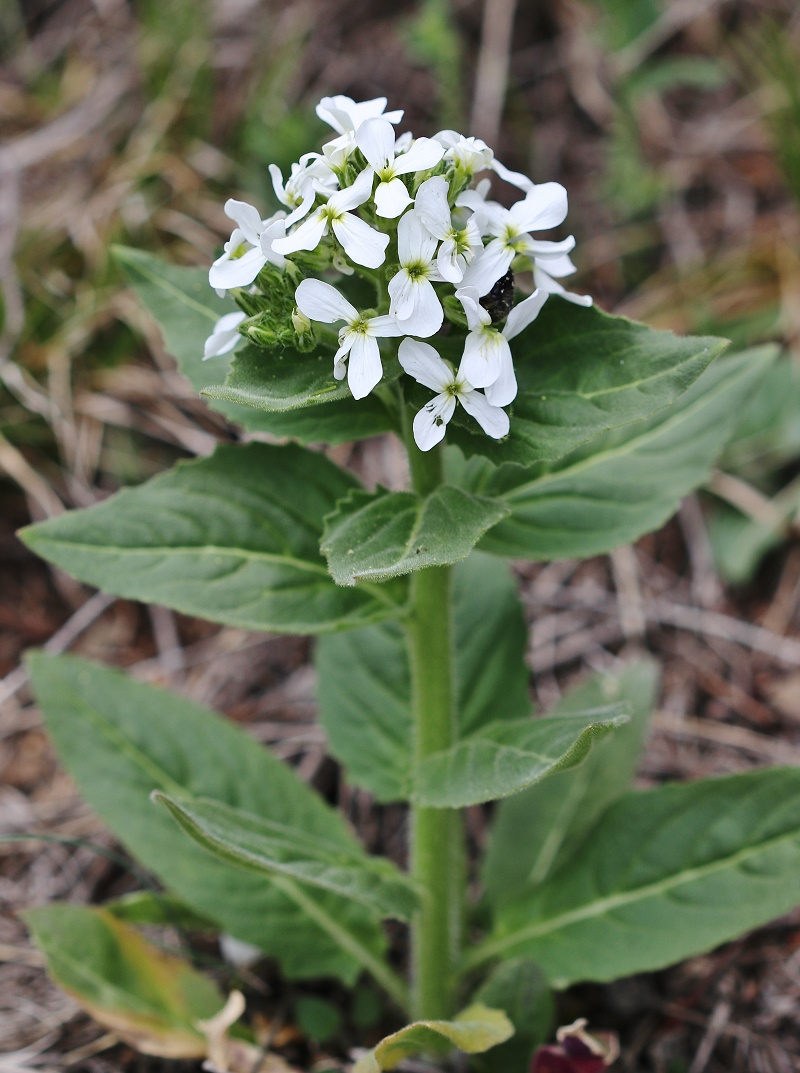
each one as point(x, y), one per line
point(437, 852)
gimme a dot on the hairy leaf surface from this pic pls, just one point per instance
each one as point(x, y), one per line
point(120, 740)
point(280, 849)
point(534, 832)
point(504, 758)
point(228, 538)
point(581, 373)
point(624, 483)
point(669, 873)
point(380, 535)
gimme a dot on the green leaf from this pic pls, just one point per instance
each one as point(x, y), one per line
point(227, 538)
point(150, 999)
point(767, 433)
point(474, 1030)
point(534, 832)
point(120, 740)
point(623, 484)
point(520, 988)
point(667, 874)
point(364, 680)
point(149, 907)
point(581, 373)
point(506, 757)
point(284, 380)
point(186, 309)
point(280, 849)
point(379, 535)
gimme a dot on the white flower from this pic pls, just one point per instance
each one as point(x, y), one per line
point(224, 336)
point(459, 244)
point(487, 360)
point(300, 190)
point(552, 259)
point(422, 362)
point(413, 299)
point(358, 339)
point(377, 142)
point(543, 207)
point(362, 243)
point(467, 154)
point(249, 248)
point(346, 115)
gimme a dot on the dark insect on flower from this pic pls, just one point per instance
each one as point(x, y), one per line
point(500, 299)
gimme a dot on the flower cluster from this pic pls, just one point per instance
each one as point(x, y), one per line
point(407, 215)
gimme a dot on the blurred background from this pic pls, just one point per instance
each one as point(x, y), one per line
point(674, 125)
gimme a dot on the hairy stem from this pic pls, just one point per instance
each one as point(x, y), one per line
point(437, 854)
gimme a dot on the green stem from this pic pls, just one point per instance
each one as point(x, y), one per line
point(437, 856)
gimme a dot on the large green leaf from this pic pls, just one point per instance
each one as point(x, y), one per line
point(149, 998)
point(622, 484)
point(667, 874)
point(233, 538)
point(506, 757)
point(379, 535)
point(534, 832)
point(280, 849)
point(474, 1030)
point(582, 372)
point(120, 740)
point(186, 309)
point(365, 681)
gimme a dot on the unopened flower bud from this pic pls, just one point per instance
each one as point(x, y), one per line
point(302, 325)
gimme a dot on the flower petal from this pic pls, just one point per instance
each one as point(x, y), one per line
point(476, 315)
point(483, 357)
point(431, 421)
point(320, 301)
point(424, 153)
point(225, 336)
point(401, 293)
point(421, 361)
point(274, 231)
point(375, 139)
point(305, 206)
point(353, 196)
point(426, 315)
point(228, 272)
point(524, 314)
point(362, 243)
point(385, 327)
point(305, 237)
point(364, 369)
point(276, 175)
point(545, 206)
point(503, 390)
point(415, 244)
point(432, 207)
point(490, 265)
point(546, 283)
point(492, 419)
point(247, 218)
point(450, 263)
point(391, 198)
